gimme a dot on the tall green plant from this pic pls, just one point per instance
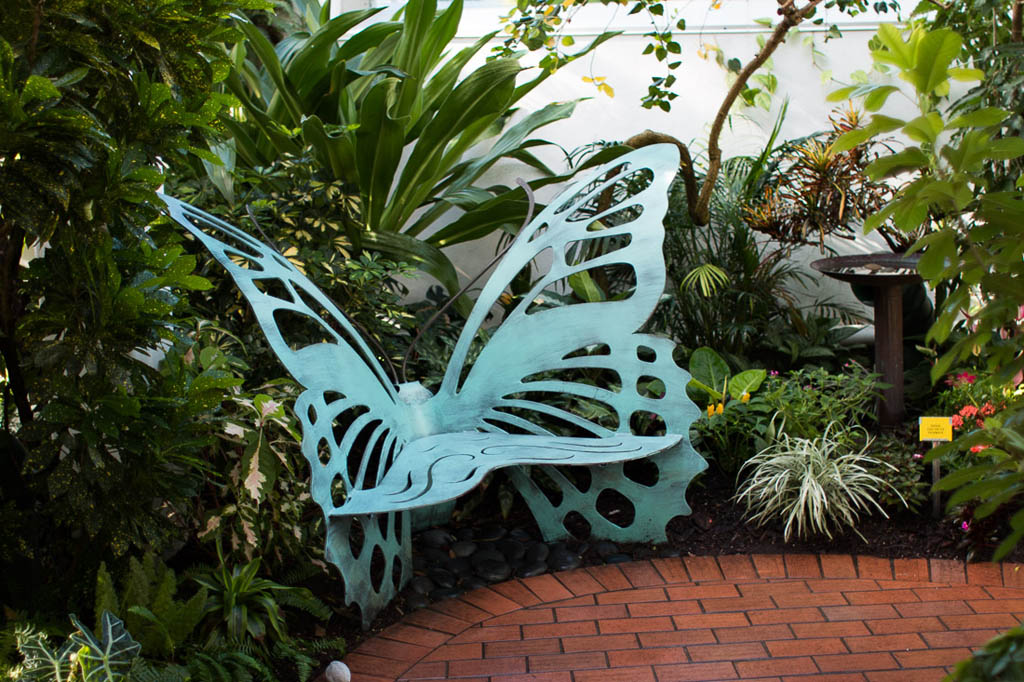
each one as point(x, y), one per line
point(974, 249)
point(388, 113)
point(96, 99)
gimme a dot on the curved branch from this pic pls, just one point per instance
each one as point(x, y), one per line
point(791, 16)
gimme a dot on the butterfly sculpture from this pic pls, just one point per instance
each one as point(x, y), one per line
point(572, 384)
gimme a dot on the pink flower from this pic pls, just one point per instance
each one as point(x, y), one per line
point(773, 373)
point(966, 378)
point(965, 526)
point(918, 455)
point(958, 421)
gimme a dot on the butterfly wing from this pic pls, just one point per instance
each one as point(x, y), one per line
point(351, 423)
point(584, 369)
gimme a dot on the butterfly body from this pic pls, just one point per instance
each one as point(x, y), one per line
point(575, 387)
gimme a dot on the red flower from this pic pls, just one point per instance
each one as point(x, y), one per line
point(958, 421)
point(988, 409)
point(979, 448)
point(968, 411)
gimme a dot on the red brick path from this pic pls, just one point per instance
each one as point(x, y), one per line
point(770, 618)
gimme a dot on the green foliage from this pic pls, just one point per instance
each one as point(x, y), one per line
point(734, 316)
point(96, 99)
point(808, 401)
point(973, 252)
point(902, 466)
point(161, 623)
point(386, 115)
point(813, 485)
point(108, 657)
point(244, 609)
point(1000, 660)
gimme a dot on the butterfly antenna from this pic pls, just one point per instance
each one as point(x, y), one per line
point(381, 353)
point(531, 205)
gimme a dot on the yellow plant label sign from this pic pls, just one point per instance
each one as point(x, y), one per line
point(935, 428)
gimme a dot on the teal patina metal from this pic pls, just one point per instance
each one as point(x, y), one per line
point(527, 397)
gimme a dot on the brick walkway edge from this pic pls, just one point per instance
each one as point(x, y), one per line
point(770, 618)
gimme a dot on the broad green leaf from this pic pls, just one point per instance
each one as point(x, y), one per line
point(935, 52)
point(909, 159)
point(110, 655)
point(961, 74)
point(285, 91)
point(416, 252)
point(878, 124)
point(475, 102)
point(336, 152)
point(1006, 148)
point(306, 68)
point(378, 150)
point(924, 128)
point(708, 367)
point(898, 53)
point(746, 381)
point(584, 286)
point(982, 118)
point(38, 88)
point(940, 250)
point(509, 143)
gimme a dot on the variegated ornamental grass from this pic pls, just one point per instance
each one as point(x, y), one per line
point(813, 484)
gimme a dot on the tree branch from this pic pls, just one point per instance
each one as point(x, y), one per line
point(1017, 22)
point(791, 16)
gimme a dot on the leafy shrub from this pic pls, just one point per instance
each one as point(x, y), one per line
point(1000, 660)
point(161, 623)
point(901, 465)
point(810, 485)
point(808, 401)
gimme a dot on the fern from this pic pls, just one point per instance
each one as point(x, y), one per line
point(302, 599)
point(147, 605)
point(290, 652)
point(227, 666)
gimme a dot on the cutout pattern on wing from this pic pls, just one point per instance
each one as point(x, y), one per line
point(350, 439)
point(568, 365)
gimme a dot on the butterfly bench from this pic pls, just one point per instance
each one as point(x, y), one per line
point(586, 414)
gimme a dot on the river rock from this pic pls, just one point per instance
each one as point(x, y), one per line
point(443, 577)
point(422, 584)
point(537, 552)
point(436, 537)
point(494, 571)
point(463, 548)
point(531, 569)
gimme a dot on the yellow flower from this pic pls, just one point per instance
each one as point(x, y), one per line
point(745, 398)
point(711, 410)
point(720, 408)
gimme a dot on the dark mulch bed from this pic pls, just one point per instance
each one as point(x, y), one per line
point(717, 527)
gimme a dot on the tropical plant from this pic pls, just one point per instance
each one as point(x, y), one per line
point(1000, 660)
point(246, 609)
point(160, 623)
point(730, 289)
point(108, 657)
point(971, 255)
point(96, 98)
point(817, 192)
point(386, 114)
point(807, 401)
point(813, 485)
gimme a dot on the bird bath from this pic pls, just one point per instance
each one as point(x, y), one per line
point(887, 273)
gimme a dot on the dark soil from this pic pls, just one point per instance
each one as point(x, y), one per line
point(717, 527)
